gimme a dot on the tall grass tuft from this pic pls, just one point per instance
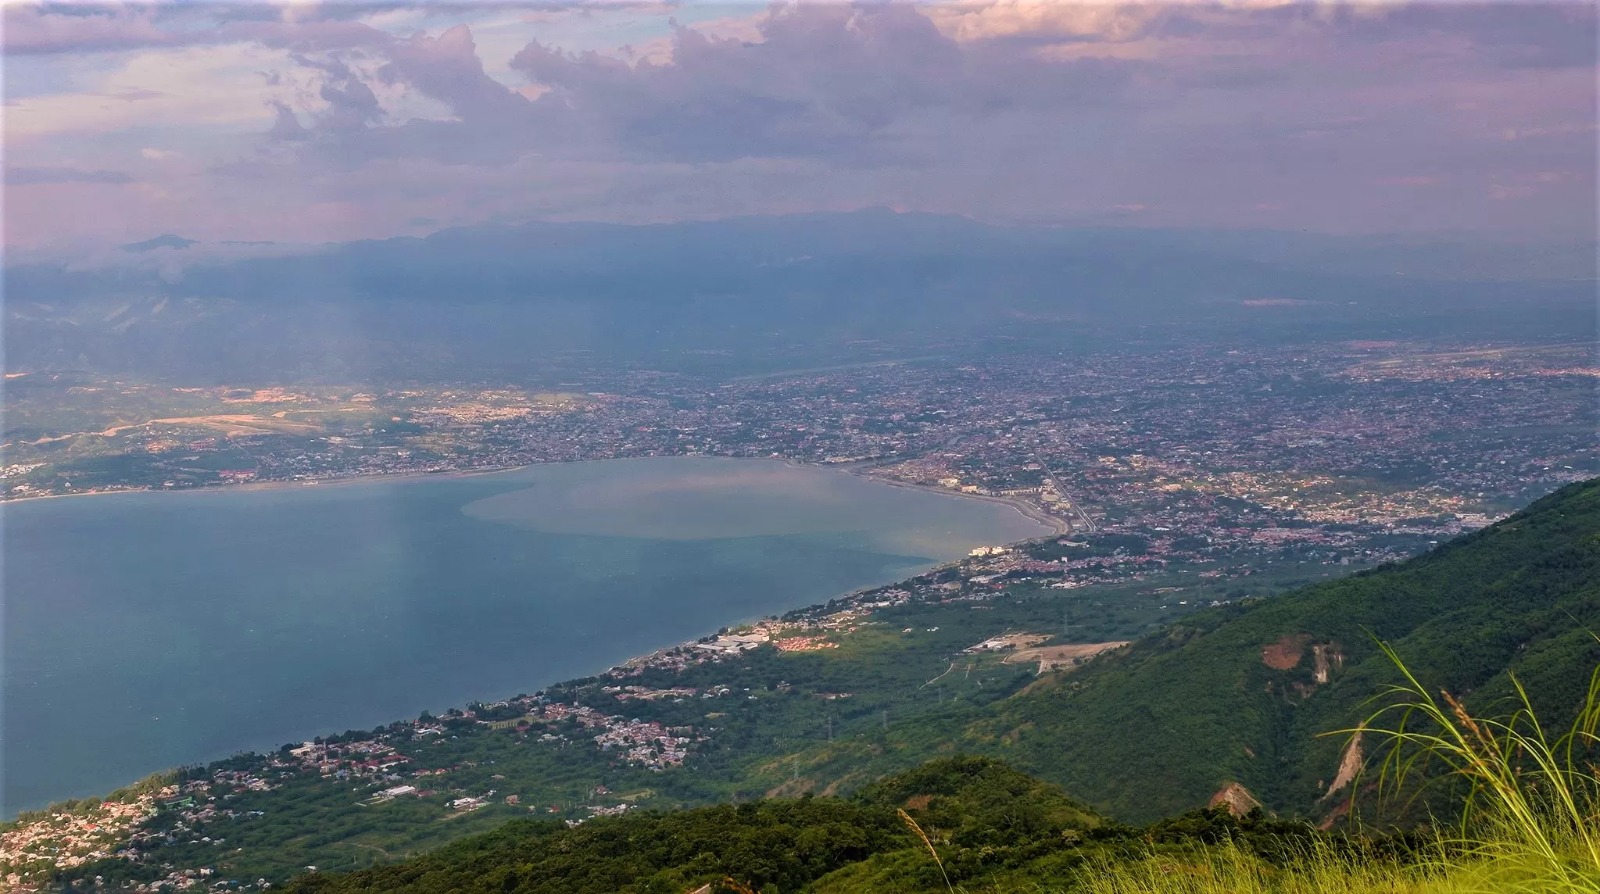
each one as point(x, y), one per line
point(928, 843)
point(1228, 868)
point(1531, 820)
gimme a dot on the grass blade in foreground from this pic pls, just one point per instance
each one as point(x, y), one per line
point(1531, 820)
point(1530, 823)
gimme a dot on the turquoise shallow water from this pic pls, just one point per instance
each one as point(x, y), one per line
point(145, 631)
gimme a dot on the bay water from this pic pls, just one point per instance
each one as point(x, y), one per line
point(143, 631)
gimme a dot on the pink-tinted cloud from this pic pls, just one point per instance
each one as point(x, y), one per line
point(79, 28)
point(358, 119)
point(822, 80)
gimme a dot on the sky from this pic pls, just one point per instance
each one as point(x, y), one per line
point(308, 122)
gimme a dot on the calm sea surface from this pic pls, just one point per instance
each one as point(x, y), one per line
point(145, 631)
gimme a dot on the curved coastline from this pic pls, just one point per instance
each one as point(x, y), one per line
point(1058, 526)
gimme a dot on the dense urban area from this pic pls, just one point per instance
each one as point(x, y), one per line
point(1176, 441)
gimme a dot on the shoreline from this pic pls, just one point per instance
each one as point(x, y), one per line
point(1059, 527)
point(334, 481)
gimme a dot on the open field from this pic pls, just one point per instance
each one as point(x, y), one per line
point(1070, 655)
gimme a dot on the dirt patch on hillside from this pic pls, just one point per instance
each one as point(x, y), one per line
point(1067, 656)
point(1285, 653)
point(792, 788)
point(1349, 766)
point(1325, 657)
point(1335, 815)
point(1007, 641)
point(1236, 798)
point(838, 786)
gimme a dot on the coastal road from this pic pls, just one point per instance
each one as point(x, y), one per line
point(1033, 510)
point(1054, 481)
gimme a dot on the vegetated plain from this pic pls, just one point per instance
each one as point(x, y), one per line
point(1231, 703)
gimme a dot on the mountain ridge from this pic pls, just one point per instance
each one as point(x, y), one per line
point(520, 300)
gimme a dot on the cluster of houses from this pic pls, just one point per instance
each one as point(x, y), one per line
point(369, 758)
point(68, 839)
point(646, 743)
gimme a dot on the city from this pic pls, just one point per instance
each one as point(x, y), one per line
point(1266, 443)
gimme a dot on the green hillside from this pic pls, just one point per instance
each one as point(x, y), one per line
point(992, 827)
point(1242, 694)
point(1234, 699)
point(1239, 695)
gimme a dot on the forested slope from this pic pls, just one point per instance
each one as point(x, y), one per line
point(993, 828)
point(1246, 694)
point(1240, 698)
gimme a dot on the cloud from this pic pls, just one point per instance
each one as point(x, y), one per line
point(32, 29)
point(555, 10)
point(856, 84)
point(89, 28)
point(187, 93)
point(1504, 35)
point(447, 68)
point(821, 80)
point(340, 120)
point(24, 176)
point(351, 103)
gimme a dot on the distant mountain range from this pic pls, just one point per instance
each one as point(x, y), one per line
point(177, 243)
point(554, 298)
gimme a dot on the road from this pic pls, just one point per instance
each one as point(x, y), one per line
point(1050, 477)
